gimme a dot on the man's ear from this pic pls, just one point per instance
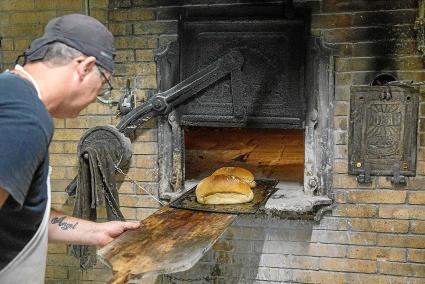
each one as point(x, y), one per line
point(85, 66)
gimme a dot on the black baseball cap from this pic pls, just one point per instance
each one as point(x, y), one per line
point(84, 33)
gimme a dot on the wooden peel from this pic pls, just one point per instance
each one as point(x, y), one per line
point(170, 240)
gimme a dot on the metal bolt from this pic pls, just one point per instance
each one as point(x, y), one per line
point(312, 183)
point(157, 104)
point(171, 118)
point(358, 164)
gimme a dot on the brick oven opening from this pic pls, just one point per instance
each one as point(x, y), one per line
point(267, 153)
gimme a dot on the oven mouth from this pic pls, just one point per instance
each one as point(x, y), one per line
point(267, 153)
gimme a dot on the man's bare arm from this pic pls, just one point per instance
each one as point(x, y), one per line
point(3, 196)
point(71, 230)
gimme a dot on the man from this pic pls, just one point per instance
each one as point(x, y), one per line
point(65, 71)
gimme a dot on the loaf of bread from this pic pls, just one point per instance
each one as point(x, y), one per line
point(223, 189)
point(242, 173)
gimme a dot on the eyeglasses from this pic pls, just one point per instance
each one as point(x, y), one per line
point(106, 89)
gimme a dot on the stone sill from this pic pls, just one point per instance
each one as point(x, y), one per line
point(291, 202)
point(288, 202)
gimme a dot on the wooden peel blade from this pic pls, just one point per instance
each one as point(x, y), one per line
point(170, 240)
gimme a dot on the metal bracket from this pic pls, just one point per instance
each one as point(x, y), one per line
point(398, 179)
point(364, 175)
point(164, 102)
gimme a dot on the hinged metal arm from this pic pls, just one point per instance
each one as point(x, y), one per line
point(162, 103)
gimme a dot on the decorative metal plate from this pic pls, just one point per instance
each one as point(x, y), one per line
point(264, 188)
point(383, 126)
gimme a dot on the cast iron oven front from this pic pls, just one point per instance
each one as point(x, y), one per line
point(285, 82)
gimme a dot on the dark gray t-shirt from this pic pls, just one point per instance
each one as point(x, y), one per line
point(26, 129)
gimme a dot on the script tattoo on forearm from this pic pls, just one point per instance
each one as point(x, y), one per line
point(62, 224)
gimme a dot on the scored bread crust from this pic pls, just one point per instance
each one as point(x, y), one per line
point(242, 173)
point(223, 189)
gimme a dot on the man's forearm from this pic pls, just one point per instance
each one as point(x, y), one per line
point(71, 230)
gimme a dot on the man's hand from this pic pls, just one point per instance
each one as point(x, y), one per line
point(71, 230)
point(108, 231)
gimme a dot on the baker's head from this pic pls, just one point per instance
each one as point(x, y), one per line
point(78, 51)
point(80, 32)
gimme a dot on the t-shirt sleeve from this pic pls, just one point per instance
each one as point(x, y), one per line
point(23, 146)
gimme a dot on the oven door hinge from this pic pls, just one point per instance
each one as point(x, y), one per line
point(364, 175)
point(398, 179)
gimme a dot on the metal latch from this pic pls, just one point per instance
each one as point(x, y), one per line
point(127, 101)
point(398, 179)
point(364, 174)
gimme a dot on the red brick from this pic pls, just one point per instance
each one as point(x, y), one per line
point(13, 5)
point(143, 213)
point(344, 237)
point(379, 225)
point(340, 197)
point(145, 148)
point(64, 160)
point(377, 196)
point(98, 108)
point(384, 183)
point(402, 241)
point(59, 185)
point(417, 227)
point(402, 212)
point(59, 147)
point(331, 21)
point(405, 269)
point(144, 161)
point(416, 183)
point(57, 248)
point(87, 121)
point(329, 6)
point(68, 134)
point(348, 265)
point(129, 213)
point(373, 278)
point(347, 181)
point(74, 5)
point(416, 198)
point(340, 166)
point(416, 255)
point(368, 63)
point(143, 174)
point(131, 14)
point(374, 253)
point(330, 250)
point(64, 172)
point(379, 18)
point(355, 210)
point(56, 272)
point(127, 200)
point(136, 42)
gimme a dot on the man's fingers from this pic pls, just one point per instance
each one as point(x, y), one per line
point(131, 225)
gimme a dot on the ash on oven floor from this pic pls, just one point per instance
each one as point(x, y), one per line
point(262, 191)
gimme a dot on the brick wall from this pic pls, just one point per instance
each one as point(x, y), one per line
point(375, 234)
